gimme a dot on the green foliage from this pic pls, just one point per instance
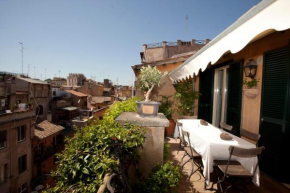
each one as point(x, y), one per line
point(118, 108)
point(166, 106)
point(252, 83)
point(89, 155)
point(163, 179)
point(166, 153)
point(149, 77)
point(186, 96)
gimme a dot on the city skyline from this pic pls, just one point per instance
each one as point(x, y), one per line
point(101, 39)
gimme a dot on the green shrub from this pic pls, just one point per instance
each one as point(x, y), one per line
point(163, 179)
point(89, 155)
point(166, 152)
point(186, 96)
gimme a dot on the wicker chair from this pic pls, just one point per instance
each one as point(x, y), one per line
point(234, 169)
point(226, 127)
point(251, 136)
point(193, 155)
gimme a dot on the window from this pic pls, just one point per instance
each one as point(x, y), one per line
point(53, 93)
point(21, 133)
point(22, 164)
point(3, 173)
point(39, 110)
point(23, 188)
point(3, 139)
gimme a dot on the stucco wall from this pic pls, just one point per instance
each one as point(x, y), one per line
point(250, 118)
point(10, 154)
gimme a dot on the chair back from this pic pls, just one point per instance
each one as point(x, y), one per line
point(186, 135)
point(180, 126)
point(226, 127)
point(243, 152)
point(252, 136)
point(189, 117)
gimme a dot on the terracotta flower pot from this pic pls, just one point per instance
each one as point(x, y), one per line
point(169, 130)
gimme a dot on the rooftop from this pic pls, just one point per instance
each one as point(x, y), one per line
point(45, 129)
point(33, 81)
point(79, 94)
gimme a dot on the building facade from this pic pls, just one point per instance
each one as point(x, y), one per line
point(164, 50)
point(75, 79)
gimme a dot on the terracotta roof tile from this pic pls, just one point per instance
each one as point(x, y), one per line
point(45, 129)
point(79, 94)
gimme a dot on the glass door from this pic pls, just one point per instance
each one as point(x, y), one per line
point(220, 95)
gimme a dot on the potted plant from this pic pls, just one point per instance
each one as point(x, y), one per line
point(149, 77)
point(186, 96)
point(251, 91)
point(167, 109)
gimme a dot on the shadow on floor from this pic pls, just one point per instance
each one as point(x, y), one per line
point(196, 183)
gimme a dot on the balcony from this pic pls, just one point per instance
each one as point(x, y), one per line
point(16, 115)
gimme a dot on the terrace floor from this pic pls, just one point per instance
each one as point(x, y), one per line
point(196, 183)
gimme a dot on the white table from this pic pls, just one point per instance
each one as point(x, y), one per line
point(207, 142)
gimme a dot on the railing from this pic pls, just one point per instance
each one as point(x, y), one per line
point(171, 43)
point(157, 45)
point(199, 41)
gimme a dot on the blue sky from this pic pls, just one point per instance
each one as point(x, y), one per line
point(103, 38)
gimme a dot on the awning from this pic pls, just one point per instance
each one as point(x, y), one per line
point(259, 21)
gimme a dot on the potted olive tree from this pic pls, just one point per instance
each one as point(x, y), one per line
point(149, 77)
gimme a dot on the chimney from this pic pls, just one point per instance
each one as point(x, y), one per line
point(144, 47)
point(164, 44)
point(193, 42)
point(207, 41)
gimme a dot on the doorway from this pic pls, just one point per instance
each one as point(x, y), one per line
point(220, 95)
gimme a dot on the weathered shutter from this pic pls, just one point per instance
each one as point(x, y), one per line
point(274, 124)
point(235, 83)
point(205, 100)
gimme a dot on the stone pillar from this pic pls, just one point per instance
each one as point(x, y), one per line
point(178, 42)
point(164, 44)
point(152, 152)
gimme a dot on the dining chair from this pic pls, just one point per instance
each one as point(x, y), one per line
point(251, 136)
point(189, 117)
point(234, 169)
point(226, 127)
point(193, 155)
point(182, 142)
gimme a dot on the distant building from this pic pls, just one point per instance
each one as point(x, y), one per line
point(58, 81)
point(75, 79)
point(125, 91)
point(16, 131)
point(164, 50)
point(47, 141)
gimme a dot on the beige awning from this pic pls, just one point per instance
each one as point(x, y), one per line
point(262, 19)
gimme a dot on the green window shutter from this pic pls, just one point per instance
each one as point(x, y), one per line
point(274, 125)
point(205, 100)
point(235, 83)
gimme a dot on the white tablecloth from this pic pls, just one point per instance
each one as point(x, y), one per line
point(207, 142)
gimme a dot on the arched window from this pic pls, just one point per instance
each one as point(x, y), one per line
point(39, 110)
